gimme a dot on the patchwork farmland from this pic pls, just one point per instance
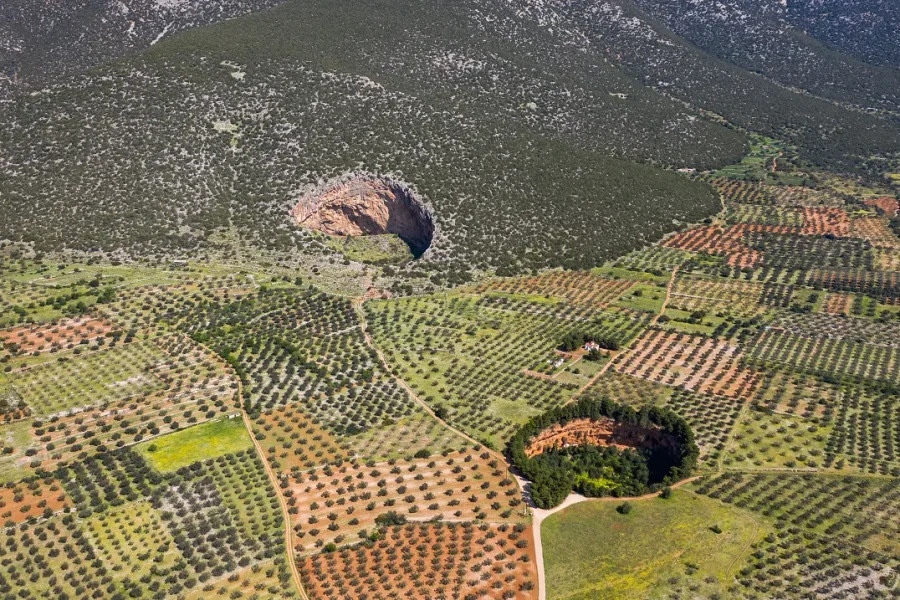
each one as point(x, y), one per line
point(201, 432)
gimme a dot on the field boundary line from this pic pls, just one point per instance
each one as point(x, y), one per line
point(364, 326)
point(613, 357)
point(273, 478)
point(540, 514)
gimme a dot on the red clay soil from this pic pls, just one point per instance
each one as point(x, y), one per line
point(886, 204)
point(428, 561)
point(602, 432)
point(293, 440)
point(63, 334)
point(365, 206)
point(838, 304)
point(577, 287)
point(462, 486)
point(23, 501)
point(373, 293)
point(537, 375)
point(821, 221)
point(698, 363)
point(727, 242)
point(19, 413)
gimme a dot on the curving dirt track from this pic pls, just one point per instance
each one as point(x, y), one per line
point(276, 485)
point(540, 514)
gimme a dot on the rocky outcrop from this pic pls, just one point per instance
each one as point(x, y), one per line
point(600, 432)
point(367, 205)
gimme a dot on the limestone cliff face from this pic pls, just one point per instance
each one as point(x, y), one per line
point(367, 206)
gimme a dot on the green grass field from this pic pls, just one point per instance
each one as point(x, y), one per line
point(591, 552)
point(18, 437)
point(209, 440)
point(371, 248)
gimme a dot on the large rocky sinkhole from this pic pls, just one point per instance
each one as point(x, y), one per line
point(367, 205)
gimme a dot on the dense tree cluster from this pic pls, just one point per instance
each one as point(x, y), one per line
point(556, 472)
point(575, 339)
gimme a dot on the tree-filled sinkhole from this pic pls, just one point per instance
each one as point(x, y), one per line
point(597, 447)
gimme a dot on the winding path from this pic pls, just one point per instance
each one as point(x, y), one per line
point(540, 514)
point(273, 477)
point(364, 326)
point(276, 484)
point(612, 356)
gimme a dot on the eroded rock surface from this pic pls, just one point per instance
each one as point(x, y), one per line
point(367, 206)
point(602, 432)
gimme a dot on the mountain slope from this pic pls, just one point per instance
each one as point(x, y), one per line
point(537, 130)
point(829, 135)
point(866, 29)
point(41, 41)
point(757, 36)
point(505, 129)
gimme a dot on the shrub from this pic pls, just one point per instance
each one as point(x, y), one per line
point(390, 518)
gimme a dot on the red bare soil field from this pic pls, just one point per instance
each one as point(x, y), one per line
point(26, 500)
point(728, 242)
point(577, 287)
point(293, 440)
point(66, 333)
point(821, 221)
point(335, 504)
point(886, 204)
point(429, 561)
point(697, 363)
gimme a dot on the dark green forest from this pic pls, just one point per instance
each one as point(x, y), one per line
point(595, 471)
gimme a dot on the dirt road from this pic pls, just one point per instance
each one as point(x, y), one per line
point(276, 485)
point(540, 514)
point(613, 355)
point(273, 478)
point(357, 305)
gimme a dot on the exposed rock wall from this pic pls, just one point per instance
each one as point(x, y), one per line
point(367, 206)
point(602, 432)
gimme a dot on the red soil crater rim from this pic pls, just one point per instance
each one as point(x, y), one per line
point(367, 205)
point(604, 432)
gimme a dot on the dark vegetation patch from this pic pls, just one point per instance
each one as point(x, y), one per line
point(509, 137)
point(866, 29)
point(604, 471)
point(824, 133)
